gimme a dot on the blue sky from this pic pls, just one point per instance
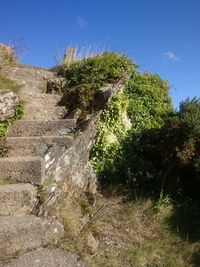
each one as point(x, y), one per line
point(162, 36)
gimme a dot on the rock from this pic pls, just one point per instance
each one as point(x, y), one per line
point(45, 257)
point(71, 166)
point(56, 85)
point(8, 102)
point(74, 114)
point(92, 243)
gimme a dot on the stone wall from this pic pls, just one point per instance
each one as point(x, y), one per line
point(69, 170)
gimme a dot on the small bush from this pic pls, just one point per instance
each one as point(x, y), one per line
point(84, 79)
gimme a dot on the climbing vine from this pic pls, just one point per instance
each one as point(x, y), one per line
point(112, 129)
point(143, 105)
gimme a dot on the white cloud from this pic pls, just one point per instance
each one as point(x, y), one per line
point(82, 23)
point(170, 56)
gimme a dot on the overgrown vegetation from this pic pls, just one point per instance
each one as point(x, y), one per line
point(89, 75)
point(145, 146)
point(147, 103)
point(96, 71)
point(130, 233)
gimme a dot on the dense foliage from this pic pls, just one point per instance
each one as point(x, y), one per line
point(147, 103)
point(167, 160)
point(96, 71)
point(85, 78)
point(141, 141)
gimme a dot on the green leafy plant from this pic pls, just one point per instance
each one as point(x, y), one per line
point(147, 103)
point(112, 129)
point(6, 124)
point(85, 78)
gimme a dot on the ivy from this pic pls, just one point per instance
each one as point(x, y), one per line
point(112, 129)
point(147, 103)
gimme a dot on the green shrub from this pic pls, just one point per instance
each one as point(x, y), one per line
point(86, 77)
point(96, 71)
point(147, 102)
point(168, 159)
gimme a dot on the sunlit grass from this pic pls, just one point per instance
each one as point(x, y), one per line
point(7, 84)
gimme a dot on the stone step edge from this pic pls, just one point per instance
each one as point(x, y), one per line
point(30, 127)
point(19, 160)
point(23, 234)
point(17, 199)
point(39, 137)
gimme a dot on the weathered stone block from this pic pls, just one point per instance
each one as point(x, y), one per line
point(56, 85)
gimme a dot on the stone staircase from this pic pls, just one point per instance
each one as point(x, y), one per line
point(24, 236)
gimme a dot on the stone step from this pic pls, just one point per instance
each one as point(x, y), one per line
point(17, 199)
point(22, 169)
point(39, 128)
point(35, 146)
point(44, 111)
point(19, 235)
point(47, 257)
point(25, 71)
